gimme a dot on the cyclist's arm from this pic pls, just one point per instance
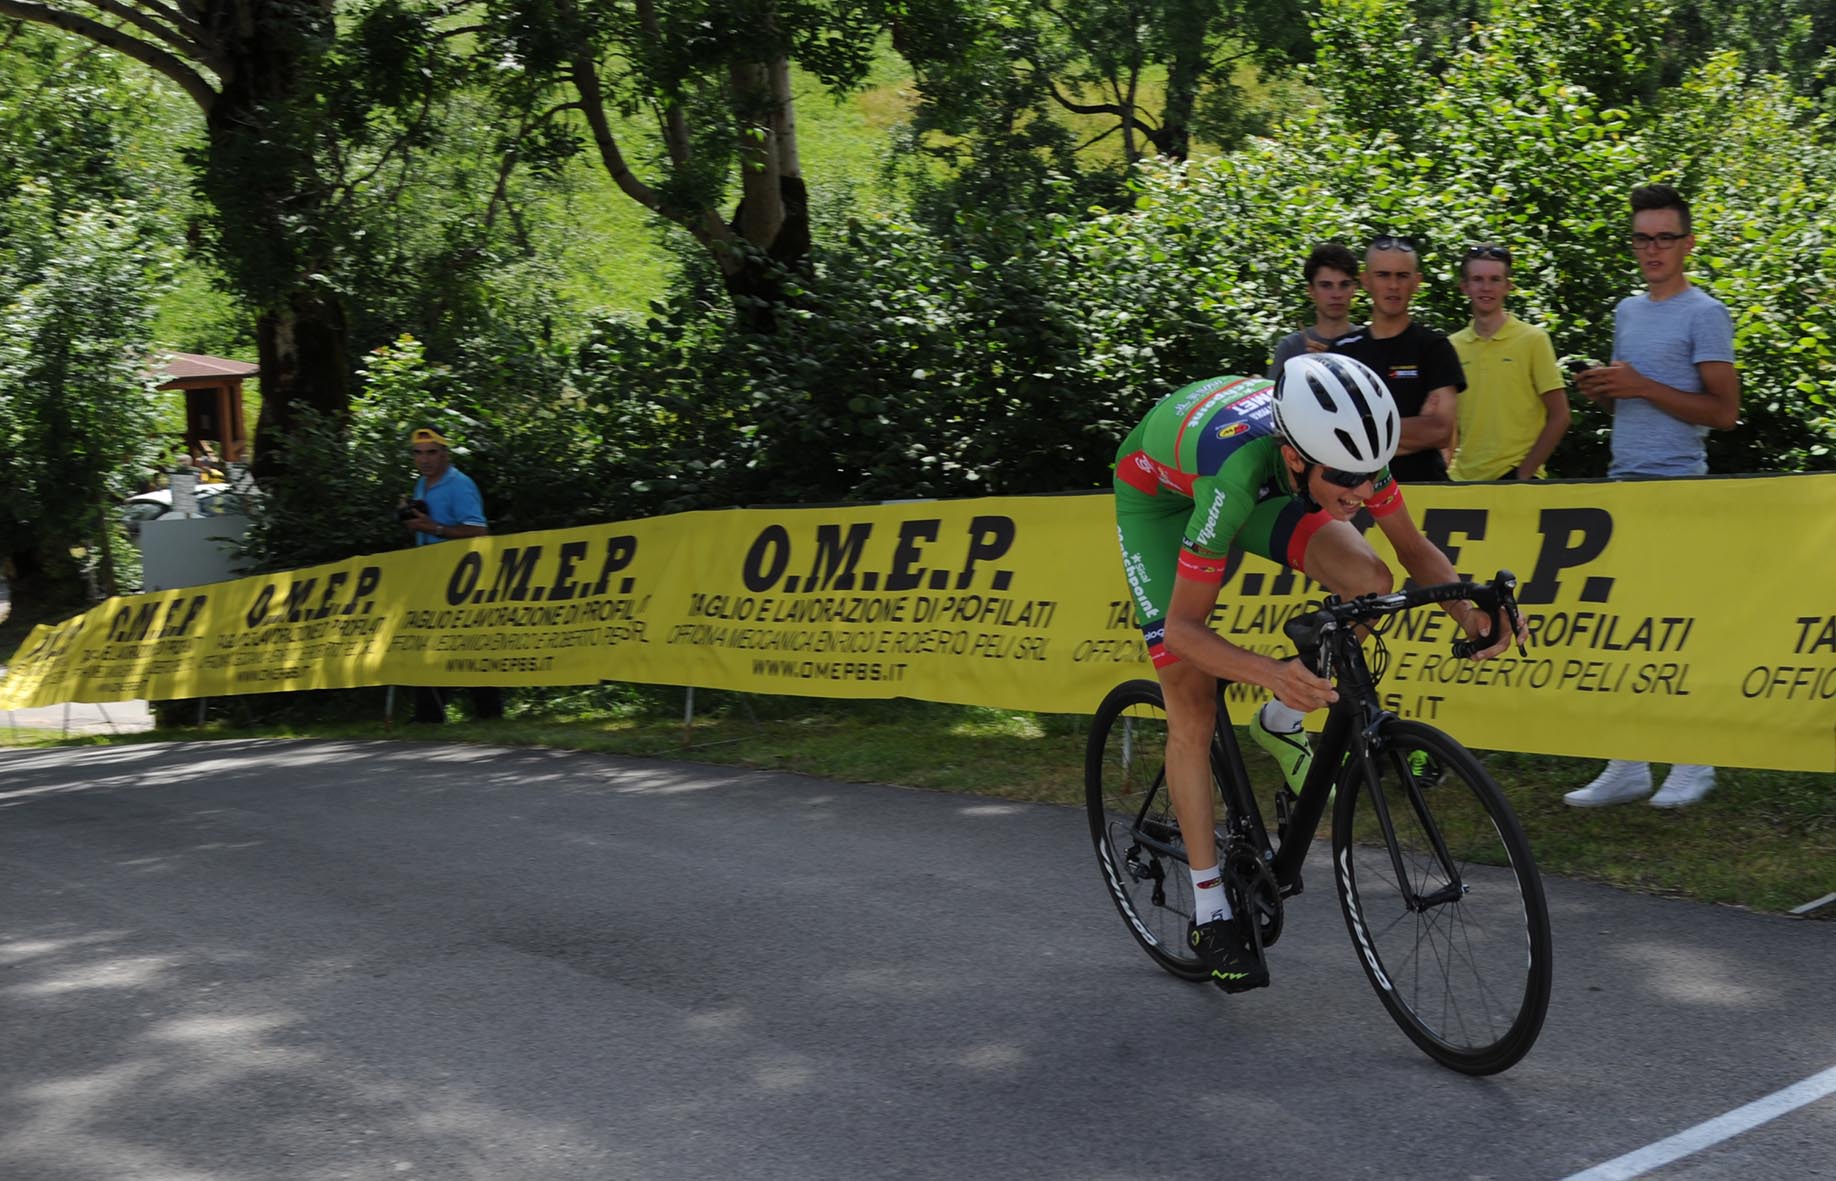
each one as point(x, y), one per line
point(1427, 565)
point(1190, 637)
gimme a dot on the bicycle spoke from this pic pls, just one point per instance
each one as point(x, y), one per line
point(1467, 973)
point(1133, 827)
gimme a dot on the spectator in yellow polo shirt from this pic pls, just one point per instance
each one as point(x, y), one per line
point(1515, 408)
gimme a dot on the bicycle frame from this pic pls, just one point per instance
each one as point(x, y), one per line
point(1419, 828)
point(1354, 725)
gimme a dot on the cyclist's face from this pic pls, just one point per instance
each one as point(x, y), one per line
point(1341, 504)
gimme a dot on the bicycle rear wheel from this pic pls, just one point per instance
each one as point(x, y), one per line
point(1132, 824)
point(1466, 974)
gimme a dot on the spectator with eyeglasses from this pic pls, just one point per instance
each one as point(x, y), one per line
point(1672, 379)
point(1514, 409)
point(1331, 274)
point(1417, 364)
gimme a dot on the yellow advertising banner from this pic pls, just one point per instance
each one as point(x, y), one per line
point(1675, 620)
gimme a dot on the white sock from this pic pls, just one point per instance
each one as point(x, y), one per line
point(1279, 719)
point(1208, 900)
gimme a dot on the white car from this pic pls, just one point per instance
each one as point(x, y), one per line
point(214, 500)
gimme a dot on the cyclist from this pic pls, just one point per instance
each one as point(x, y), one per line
point(1277, 470)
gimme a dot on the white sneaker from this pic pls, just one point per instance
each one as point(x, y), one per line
point(1686, 783)
point(1621, 782)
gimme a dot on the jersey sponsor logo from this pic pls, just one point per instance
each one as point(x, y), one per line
point(1404, 372)
point(1386, 497)
point(1232, 429)
point(1204, 569)
point(1210, 528)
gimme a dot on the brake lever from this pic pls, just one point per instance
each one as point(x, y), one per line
point(1502, 609)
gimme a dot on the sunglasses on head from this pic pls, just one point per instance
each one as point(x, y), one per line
point(1393, 242)
point(1333, 475)
point(1489, 251)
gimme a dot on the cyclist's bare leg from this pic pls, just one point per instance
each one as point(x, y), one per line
point(1192, 701)
point(1344, 563)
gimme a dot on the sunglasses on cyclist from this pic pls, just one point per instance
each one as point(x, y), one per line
point(1334, 476)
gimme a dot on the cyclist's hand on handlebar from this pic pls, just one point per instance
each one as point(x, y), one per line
point(1297, 687)
point(1478, 626)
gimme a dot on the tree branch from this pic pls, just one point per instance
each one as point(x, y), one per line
point(1075, 108)
point(164, 21)
point(179, 71)
point(707, 228)
point(675, 126)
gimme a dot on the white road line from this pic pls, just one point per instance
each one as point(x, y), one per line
point(1724, 1127)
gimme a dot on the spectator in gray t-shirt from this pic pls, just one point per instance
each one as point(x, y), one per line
point(1671, 380)
point(1331, 271)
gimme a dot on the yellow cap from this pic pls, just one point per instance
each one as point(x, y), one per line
point(427, 435)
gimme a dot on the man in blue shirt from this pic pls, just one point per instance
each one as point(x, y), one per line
point(446, 506)
point(447, 501)
point(1672, 380)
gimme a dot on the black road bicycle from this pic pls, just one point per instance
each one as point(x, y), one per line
point(1439, 889)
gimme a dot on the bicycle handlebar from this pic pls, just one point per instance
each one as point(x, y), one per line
point(1497, 598)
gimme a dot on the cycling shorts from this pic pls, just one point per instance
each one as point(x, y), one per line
point(1152, 530)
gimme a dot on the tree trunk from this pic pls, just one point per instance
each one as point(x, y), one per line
point(773, 216)
point(303, 347)
point(274, 215)
point(46, 582)
point(1189, 25)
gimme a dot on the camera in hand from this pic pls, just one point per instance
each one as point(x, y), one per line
point(411, 510)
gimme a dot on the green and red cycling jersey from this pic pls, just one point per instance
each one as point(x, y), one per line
point(1203, 474)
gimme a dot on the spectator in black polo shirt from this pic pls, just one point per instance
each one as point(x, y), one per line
point(1417, 363)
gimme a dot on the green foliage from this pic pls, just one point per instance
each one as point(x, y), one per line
point(535, 449)
point(1003, 331)
point(76, 399)
point(1010, 354)
point(80, 269)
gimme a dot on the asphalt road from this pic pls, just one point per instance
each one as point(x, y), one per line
point(396, 960)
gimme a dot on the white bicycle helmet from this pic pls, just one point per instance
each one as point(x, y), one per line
point(1335, 411)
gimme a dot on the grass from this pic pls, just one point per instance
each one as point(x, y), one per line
point(1765, 840)
point(619, 256)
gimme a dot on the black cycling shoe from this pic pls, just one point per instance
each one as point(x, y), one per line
point(1228, 955)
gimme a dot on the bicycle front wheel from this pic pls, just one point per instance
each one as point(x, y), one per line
point(1132, 824)
point(1443, 901)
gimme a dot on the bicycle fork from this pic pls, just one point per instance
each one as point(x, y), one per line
point(1368, 748)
